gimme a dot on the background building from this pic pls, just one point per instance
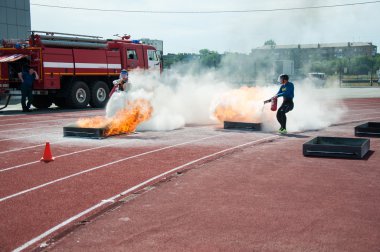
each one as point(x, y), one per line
point(306, 55)
point(322, 51)
point(14, 19)
point(158, 44)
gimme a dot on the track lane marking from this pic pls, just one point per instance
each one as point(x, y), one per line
point(39, 127)
point(361, 106)
point(101, 166)
point(356, 110)
point(107, 201)
point(103, 202)
point(354, 121)
point(42, 127)
point(8, 139)
point(49, 113)
point(348, 114)
point(49, 120)
point(59, 156)
point(31, 147)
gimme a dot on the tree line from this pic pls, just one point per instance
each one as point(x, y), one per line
point(252, 66)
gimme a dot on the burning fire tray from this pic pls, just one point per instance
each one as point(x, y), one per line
point(75, 131)
point(242, 125)
point(369, 129)
point(340, 147)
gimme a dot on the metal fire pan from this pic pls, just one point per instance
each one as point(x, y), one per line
point(369, 129)
point(75, 131)
point(339, 147)
point(242, 126)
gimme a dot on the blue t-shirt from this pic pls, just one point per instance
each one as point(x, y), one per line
point(28, 79)
point(287, 91)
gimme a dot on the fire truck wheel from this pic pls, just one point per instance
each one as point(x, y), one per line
point(79, 95)
point(99, 94)
point(41, 101)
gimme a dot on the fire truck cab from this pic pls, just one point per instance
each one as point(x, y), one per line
point(75, 70)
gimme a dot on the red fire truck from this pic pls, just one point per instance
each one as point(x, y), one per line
point(75, 70)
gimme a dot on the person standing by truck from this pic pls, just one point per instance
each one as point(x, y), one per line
point(27, 77)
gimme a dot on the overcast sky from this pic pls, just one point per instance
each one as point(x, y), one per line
point(232, 32)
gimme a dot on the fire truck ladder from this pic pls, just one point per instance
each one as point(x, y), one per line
point(70, 40)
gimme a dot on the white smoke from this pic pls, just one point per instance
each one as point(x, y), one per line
point(314, 108)
point(185, 98)
point(177, 99)
point(117, 102)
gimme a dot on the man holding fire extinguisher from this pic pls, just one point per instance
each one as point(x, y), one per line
point(287, 92)
point(120, 84)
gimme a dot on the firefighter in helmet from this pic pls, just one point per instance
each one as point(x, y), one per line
point(122, 83)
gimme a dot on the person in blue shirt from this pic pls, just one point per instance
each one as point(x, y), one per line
point(27, 77)
point(287, 92)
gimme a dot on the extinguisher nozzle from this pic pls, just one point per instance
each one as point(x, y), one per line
point(267, 101)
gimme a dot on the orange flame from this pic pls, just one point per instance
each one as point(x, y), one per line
point(240, 105)
point(93, 122)
point(125, 120)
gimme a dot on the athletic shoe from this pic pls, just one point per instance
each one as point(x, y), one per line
point(283, 131)
point(279, 130)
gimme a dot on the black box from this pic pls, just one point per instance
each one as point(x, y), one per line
point(340, 147)
point(242, 125)
point(75, 131)
point(369, 129)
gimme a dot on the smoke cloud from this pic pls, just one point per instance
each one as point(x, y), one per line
point(181, 97)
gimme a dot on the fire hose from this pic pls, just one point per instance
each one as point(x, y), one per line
point(7, 98)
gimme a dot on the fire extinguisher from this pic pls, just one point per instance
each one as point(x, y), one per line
point(273, 104)
point(117, 88)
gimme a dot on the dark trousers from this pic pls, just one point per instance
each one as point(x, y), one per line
point(26, 92)
point(286, 106)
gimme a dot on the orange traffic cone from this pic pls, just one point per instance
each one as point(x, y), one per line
point(47, 157)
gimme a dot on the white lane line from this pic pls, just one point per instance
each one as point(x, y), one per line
point(52, 113)
point(348, 114)
point(14, 119)
point(50, 120)
point(39, 127)
point(31, 147)
point(357, 110)
point(42, 127)
point(24, 119)
point(36, 239)
point(361, 106)
point(14, 138)
point(103, 202)
point(354, 121)
point(101, 166)
point(63, 155)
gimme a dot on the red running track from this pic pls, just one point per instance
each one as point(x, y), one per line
point(36, 197)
